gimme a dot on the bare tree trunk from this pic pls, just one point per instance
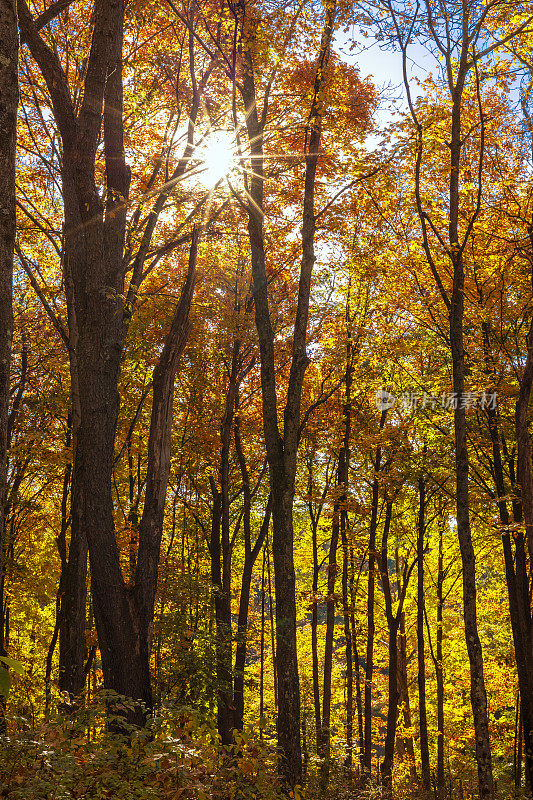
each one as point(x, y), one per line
point(478, 694)
point(461, 57)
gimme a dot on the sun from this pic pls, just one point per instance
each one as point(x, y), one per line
point(217, 155)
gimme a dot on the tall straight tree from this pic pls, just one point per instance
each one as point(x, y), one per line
point(9, 94)
point(94, 267)
point(463, 36)
point(282, 446)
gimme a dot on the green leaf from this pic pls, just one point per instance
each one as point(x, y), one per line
point(16, 666)
point(5, 682)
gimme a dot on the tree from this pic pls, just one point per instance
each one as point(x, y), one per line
point(462, 55)
point(8, 136)
point(282, 448)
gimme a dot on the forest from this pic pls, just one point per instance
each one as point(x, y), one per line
point(266, 372)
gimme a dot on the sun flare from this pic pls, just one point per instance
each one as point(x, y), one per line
point(218, 157)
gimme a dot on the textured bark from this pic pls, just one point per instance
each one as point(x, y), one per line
point(282, 448)
point(314, 643)
point(221, 562)
point(421, 677)
point(478, 693)
point(344, 472)
point(315, 512)
point(94, 279)
point(222, 625)
point(328, 646)
point(9, 97)
point(369, 666)
point(439, 667)
point(94, 237)
point(408, 746)
point(461, 56)
point(250, 557)
point(393, 622)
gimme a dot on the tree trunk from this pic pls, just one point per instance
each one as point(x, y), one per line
point(282, 449)
point(9, 97)
point(94, 276)
point(328, 647)
point(393, 621)
point(516, 580)
point(422, 712)
point(262, 651)
point(222, 626)
point(221, 562)
point(369, 666)
point(314, 644)
point(250, 557)
point(393, 694)
point(439, 668)
point(478, 695)
point(62, 551)
point(408, 743)
point(344, 473)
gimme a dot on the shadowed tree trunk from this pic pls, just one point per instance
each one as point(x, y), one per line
point(439, 666)
point(328, 646)
point(515, 565)
point(250, 557)
point(282, 447)
point(9, 97)
point(403, 686)
point(393, 622)
point(94, 238)
point(463, 57)
point(221, 561)
point(315, 512)
point(369, 666)
point(421, 677)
